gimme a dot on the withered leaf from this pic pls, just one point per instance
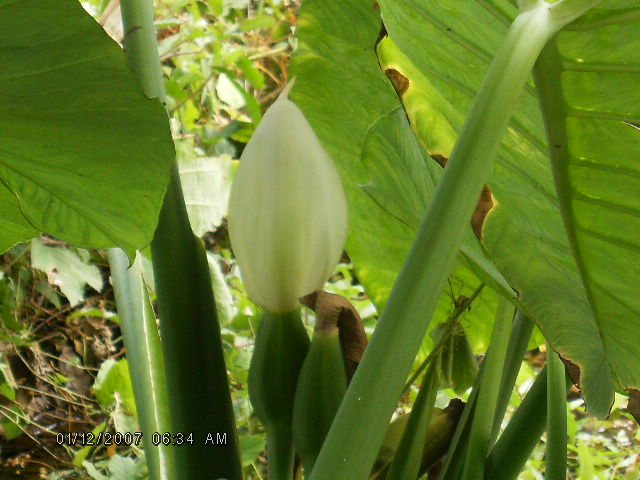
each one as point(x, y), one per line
point(484, 205)
point(336, 312)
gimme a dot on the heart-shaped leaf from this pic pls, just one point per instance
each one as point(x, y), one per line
point(576, 282)
point(85, 153)
point(356, 114)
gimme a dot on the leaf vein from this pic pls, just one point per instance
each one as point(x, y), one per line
point(604, 203)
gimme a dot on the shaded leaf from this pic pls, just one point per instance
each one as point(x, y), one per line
point(225, 304)
point(12, 422)
point(251, 447)
point(85, 152)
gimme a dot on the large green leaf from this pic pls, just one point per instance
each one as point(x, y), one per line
point(357, 116)
point(596, 168)
point(579, 292)
point(86, 154)
point(342, 102)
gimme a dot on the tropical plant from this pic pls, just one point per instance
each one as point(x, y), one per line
point(535, 99)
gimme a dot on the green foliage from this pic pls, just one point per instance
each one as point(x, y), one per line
point(224, 61)
point(13, 418)
point(113, 378)
point(70, 154)
point(251, 447)
point(528, 212)
point(65, 268)
point(117, 468)
point(321, 386)
point(206, 182)
point(280, 349)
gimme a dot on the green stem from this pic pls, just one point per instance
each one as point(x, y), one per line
point(352, 444)
point(454, 461)
point(200, 402)
point(320, 389)
point(406, 463)
point(513, 448)
point(144, 355)
point(280, 349)
point(556, 456)
point(140, 46)
point(194, 361)
point(480, 435)
point(520, 335)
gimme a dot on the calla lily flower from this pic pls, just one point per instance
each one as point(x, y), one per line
point(287, 210)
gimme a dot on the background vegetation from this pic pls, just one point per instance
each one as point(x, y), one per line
point(62, 364)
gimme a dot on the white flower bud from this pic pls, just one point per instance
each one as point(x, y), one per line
point(287, 210)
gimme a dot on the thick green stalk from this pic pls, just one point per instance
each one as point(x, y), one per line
point(556, 457)
point(138, 323)
point(280, 455)
point(406, 463)
point(141, 47)
point(361, 422)
point(480, 434)
point(200, 402)
point(520, 335)
point(513, 448)
point(144, 355)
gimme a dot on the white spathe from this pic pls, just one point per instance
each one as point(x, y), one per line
point(287, 210)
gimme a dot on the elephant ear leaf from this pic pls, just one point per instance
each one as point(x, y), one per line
point(356, 114)
point(84, 155)
point(590, 99)
point(566, 186)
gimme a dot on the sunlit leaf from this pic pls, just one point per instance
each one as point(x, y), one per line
point(580, 295)
point(65, 269)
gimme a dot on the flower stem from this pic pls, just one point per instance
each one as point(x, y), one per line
point(556, 457)
point(281, 346)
